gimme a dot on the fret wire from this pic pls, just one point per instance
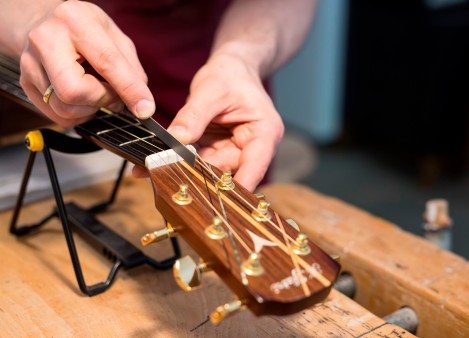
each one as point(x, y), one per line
point(136, 140)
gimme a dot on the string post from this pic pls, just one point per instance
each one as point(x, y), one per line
point(301, 246)
point(182, 197)
point(226, 181)
point(215, 230)
point(252, 266)
point(262, 214)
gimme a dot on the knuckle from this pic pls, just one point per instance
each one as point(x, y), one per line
point(67, 11)
point(106, 61)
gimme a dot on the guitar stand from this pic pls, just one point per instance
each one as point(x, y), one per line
point(83, 221)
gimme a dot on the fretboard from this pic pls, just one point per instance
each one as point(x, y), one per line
point(123, 135)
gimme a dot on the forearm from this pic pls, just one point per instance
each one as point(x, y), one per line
point(264, 33)
point(17, 17)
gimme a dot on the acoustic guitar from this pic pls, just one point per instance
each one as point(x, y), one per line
point(269, 264)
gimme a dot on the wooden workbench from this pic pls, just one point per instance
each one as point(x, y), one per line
point(40, 297)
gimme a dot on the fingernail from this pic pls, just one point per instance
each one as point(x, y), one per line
point(144, 109)
point(116, 106)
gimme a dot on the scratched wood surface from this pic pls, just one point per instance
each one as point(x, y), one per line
point(40, 298)
point(393, 268)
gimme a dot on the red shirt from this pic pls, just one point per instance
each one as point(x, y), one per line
point(173, 40)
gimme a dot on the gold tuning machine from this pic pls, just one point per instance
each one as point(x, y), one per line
point(301, 246)
point(216, 231)
point(158, 235)
point(188, 274)
point(262, 214)
point(182, 197)
point(252, 266)
point(226, 181)
point(226, 310)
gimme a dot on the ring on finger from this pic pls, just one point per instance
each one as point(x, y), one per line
point(48, 93)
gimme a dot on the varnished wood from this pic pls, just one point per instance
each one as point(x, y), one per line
point(393, 268)
point(40, 298)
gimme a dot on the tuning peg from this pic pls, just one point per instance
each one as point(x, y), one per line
point(262, 214)
point(301, 246)
point(158, 235)
point(226, 310)
point(226, 181)
point(293, 224)
point(335, 257)
point(215, 231)
point(252, 266)
point(182, 197)
point(187, 273)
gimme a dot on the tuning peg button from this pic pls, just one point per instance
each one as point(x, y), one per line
point(226, 310)
point(158, 235)
point(187, 273)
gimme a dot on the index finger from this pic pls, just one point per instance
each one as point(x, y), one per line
point(101, 44)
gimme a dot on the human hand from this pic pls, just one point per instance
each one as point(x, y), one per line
point(231, 118)
point(57, 46)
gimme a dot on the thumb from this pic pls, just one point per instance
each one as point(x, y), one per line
point(190, 122)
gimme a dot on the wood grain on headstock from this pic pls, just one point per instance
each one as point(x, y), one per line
point(289, 283)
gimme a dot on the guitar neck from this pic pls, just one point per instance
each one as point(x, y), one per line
point(122, 134)
point(10, 85)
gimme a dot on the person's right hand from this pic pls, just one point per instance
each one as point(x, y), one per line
point(55, 49)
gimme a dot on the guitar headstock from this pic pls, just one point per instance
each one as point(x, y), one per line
point(266, 261)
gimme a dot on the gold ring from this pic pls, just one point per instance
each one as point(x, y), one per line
point(48, 93)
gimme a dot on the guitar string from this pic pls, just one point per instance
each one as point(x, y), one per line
point(249, 250)
point(227, 256)
point(294, 261)
point(232, 241)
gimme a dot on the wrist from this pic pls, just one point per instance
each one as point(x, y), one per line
point(257, 59)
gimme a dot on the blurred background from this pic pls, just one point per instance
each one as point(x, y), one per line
point(376, 109)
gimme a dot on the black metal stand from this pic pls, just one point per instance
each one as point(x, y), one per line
point(115, 247)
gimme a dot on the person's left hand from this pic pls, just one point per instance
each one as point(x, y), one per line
point(231, 118)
